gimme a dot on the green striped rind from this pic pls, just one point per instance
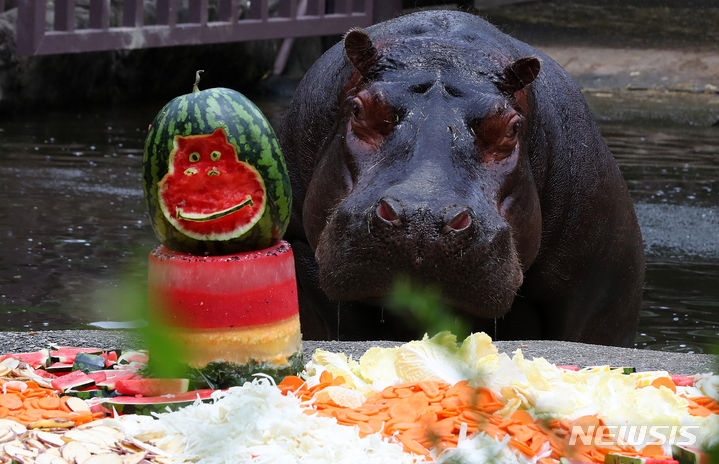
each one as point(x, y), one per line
point(255, 141)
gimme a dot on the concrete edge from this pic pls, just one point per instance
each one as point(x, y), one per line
point(557, 352)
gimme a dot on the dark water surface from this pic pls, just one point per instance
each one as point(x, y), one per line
point(72, 215)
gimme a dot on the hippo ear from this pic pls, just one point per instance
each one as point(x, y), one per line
point(360, 51)
point(520, 74)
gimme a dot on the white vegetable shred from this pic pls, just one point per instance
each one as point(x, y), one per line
point(257, 424)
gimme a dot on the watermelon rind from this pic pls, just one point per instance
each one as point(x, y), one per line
point(129, 357)
point(35, 359)
point(249, 132)
point(90, 393)
point(67, 354)
point(88, 362)
point(77, 380)
point(151, 387)
point(155, 404)
point(59, 367)
point(688, 455)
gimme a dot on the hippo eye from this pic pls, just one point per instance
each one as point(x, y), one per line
point(357, 107)
point(215, 155)
point(194, 157)
point(516, 126)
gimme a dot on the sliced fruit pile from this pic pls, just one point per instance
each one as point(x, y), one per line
point(93, 443)
point(52, 384)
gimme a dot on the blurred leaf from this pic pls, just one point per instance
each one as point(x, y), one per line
point(129, 302)
point(423, 307)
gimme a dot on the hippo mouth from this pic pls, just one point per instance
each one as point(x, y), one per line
point(204, 217)
point(480, 279)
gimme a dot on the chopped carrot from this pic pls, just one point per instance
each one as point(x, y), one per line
point(430, 414)
point(523, 417)
point(11, 401)
point(28, 402)
point(664, 382)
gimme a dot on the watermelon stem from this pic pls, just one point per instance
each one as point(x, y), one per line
point(195, 87)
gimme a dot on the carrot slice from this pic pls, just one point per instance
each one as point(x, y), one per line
point(522, 416)
point(664, 382)
point(10, 401)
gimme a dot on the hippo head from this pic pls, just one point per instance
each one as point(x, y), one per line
point(428, 175)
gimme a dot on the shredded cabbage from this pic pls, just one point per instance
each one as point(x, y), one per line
point(257, 424)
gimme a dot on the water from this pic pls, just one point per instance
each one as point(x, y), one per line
point(72, 215)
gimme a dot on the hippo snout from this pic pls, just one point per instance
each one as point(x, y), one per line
point(393, 219)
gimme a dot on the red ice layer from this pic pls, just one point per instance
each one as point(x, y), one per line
point(239, 290)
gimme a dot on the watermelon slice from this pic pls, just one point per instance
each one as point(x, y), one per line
point(88, 362)
point(59, 367)
point(151, 387)
point(110, 358)
point(75, 380)
point(35, 359)
point(89, 392)
point(569, 367)
point(611, 458)
point(149, 404)
point(66, 354)
point(110, 382)
point(133, 357)
point(683, 380)
point(688, 455)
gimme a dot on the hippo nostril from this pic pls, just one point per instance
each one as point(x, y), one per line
point(460, 221)
point(387, 211)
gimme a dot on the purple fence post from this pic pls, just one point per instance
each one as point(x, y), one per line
point(386, 9)
point(167, 12)
point(99, 14)
point(132, 13)
point(30, 25)
point(198, 11)
point(64, 15)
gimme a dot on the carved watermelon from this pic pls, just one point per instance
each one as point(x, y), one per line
point(155, 404)
point(214, 178)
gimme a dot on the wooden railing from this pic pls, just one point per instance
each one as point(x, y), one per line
point(177, 22)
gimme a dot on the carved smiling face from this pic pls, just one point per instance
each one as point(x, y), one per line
point(207, 193)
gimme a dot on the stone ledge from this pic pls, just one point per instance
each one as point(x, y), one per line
point(579, 354)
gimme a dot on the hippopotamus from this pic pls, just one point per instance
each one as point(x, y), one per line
point(437, 148)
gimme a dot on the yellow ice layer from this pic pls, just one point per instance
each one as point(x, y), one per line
point(273, 342)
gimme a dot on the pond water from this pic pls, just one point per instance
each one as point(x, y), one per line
point(72, 215)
